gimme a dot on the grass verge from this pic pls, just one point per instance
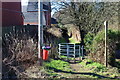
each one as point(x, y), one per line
point(94, 66)
point(56, 65)
point(97, 68)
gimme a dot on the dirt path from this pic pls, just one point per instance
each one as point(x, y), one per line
point(76, 67)
point(77, 71)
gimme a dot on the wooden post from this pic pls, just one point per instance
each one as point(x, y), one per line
point(106, 29)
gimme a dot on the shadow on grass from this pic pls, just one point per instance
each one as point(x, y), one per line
point(81, 73)
point(118, 65)
point(69, 61)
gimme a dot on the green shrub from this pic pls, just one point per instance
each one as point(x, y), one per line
point(115, 36)
point(88, 41)
point(62, 40)
point(98, 41)
point(100, 38)
point(98, 45)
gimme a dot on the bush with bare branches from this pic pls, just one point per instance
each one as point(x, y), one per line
point(19, 52)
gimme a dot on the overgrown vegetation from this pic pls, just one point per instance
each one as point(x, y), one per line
point(88, 40)
point(19, 50)
point(118, 64)
point(96, 44)
point(52, 36)
point(95, 67)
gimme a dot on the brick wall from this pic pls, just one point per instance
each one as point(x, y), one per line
point(11, 14)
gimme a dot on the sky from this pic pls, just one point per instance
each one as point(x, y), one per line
point(24, 2)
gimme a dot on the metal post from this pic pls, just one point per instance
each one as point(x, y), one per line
point(40, 30)
point(59, 51)
point(79, 52)
point(0, 41)
point(106, 28)
point(39, 27)
point(67, 51)
point(82, 52)
point(74, 52)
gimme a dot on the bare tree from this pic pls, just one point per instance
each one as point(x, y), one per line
point(88, 16)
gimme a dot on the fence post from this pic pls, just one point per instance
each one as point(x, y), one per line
point(82, 52)
point(106, 29)
point(74, 52)
point(67, 51)
point(79, 52)
point(59, 50)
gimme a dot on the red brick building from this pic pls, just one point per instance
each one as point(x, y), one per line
point(47, 12)
point(12, 14)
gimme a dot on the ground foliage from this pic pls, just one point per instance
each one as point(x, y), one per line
point(84, 69)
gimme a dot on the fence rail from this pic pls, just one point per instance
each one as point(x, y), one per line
point(71, 50)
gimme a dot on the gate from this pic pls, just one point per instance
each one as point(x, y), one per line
point(71, 50)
